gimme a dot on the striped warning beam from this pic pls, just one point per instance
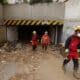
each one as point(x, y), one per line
point(31, 22)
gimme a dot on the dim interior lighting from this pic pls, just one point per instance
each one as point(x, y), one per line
point(28, 1)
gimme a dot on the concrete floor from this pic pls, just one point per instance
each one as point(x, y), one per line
point(38, 65)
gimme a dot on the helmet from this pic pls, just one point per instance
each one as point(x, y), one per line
point(34, 32)
point(46, 32)
point(77, 28)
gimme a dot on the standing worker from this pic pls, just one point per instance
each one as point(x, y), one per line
point(45, 41)
point(34, 40)
point(72, 50)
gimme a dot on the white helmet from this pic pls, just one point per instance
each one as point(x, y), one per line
point(34, 32)
point(46, 32)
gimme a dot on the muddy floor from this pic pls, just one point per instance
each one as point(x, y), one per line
point(25, 64)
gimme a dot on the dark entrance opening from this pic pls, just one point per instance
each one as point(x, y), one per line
point(25, 32)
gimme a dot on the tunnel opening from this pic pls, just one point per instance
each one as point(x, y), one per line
point(25, 33)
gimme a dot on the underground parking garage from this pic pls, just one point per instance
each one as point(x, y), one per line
point(21, 30)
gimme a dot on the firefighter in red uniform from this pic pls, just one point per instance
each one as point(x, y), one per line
point(72, 49)
point(34, 40)
point(45, 40)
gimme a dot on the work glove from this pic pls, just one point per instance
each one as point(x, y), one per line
point(66, 52)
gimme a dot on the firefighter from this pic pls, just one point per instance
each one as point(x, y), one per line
point(45, 40)
point(72, 50)
point(34, 40)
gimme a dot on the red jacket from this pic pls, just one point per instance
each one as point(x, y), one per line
point(45, 39)
point(73, 43)
point(34, 40)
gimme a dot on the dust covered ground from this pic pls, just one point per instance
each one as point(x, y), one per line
point(25, 64)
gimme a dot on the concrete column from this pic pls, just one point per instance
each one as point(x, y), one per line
point(72, 18)
point(2, 28)
point(12, 34)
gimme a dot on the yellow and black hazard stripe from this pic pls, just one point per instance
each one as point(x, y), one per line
point(61, 23)
point(31, 22)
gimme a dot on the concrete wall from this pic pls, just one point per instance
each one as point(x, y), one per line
point(69, 29)
point(72, 9)
point(72, 18)
point(2, 34)
point(50, 11)
point(1, 11)
point(12, 34)
point(2, 29)
point(38, 11)
point(70, 12)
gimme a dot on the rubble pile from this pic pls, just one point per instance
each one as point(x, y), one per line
point(22, 55)
point(11, 46)
point(18, 52)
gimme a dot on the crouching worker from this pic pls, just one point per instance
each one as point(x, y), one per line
point(72, 48)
